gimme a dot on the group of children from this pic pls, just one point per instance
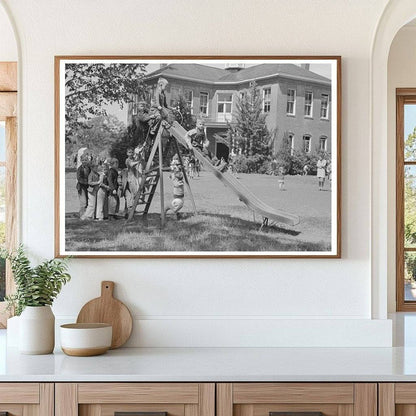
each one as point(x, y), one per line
point(106, 192)
point(98, 188)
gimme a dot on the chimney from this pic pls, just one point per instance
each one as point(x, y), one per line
point(305, 66)
point(234, 67)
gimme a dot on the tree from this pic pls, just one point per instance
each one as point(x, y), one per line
point(410, 146)
point(183, 114)
point(89, 88)
point(250, 135)
point(99, 134)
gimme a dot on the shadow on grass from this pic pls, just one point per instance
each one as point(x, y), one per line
point(202, 232)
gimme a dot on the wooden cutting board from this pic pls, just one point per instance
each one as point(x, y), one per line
point(107, 309)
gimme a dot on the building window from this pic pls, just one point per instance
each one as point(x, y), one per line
point(291, 101)
point(242, 95)
point(323, 144)
point(174, 96)
point(203, 103)
point(267, 98)
point(307, 144)
point(292, 143)
point(225, 104)
point(324, 106)
point(189, 98)
point(308, 103)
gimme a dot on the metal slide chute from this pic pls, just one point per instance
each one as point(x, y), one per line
point(243, 193)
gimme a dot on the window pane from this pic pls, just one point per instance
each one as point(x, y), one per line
point(409, 132)
point(225, 97)
point(409, 275)
point(2, 229)
point(410, 206)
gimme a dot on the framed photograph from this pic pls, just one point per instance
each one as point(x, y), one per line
point(198, 156)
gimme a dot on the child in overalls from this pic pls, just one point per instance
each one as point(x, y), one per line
point(176, 177)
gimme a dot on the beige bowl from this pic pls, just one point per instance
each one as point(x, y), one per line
point(84, 340)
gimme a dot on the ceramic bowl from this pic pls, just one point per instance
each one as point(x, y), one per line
point(84, 340)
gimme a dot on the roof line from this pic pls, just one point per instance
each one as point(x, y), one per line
point(328, 82)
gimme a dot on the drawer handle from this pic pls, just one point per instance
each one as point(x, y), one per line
point(138, 414)
point(296, 414)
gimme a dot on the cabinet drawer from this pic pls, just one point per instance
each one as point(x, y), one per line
point(21, 399)
point(397, 399)
point(296, 399)
point(153, 399)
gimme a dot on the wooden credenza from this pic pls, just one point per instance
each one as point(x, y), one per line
point(208, 399)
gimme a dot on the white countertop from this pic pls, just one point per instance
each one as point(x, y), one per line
point(213, 364)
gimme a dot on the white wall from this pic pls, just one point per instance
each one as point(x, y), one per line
point(8, 47)
point(401, 74)
point(179, 302)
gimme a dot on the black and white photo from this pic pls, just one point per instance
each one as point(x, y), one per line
point(198, 157)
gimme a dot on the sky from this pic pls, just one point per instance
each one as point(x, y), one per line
point(409, 119)
point(321, 69)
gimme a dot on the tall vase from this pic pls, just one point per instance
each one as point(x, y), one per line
point(37, 330)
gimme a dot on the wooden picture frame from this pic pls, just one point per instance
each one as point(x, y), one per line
point(297, 113)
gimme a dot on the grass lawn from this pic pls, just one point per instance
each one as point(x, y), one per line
point(223, 223)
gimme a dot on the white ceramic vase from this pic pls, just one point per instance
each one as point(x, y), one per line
point(37, 330)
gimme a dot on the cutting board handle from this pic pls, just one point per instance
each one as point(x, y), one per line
point(107, 289)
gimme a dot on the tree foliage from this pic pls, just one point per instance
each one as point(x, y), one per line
point(98, 134)
point(410, 207)
point(249, 133)
point(35, 286)
point(410, 146)
point(183, 114)
point(89, 88)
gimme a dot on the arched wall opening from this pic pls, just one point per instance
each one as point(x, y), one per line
point(396, 15)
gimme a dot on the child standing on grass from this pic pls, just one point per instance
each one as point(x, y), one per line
point(281, 178)
point(176, 177)
point(83, 172)
point(102, 194)
point(321, 172)
point(94, 180)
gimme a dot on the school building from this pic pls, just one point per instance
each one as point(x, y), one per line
point(296, 100)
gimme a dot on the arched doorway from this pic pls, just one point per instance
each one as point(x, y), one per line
point(396, 14)
point(222, 151)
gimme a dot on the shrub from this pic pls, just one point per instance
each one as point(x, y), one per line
point(35, 286)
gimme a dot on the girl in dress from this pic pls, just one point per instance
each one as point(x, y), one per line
point(321, 172)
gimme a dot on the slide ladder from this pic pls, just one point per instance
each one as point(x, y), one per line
point(242, 192)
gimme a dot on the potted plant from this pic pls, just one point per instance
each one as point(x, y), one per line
point(36, 289)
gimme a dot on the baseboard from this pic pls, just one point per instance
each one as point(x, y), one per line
point(247, 332)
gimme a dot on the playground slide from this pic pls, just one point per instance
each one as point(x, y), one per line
point(242, 192)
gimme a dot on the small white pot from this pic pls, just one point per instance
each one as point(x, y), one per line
point(86, 339)
point(37, 330)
